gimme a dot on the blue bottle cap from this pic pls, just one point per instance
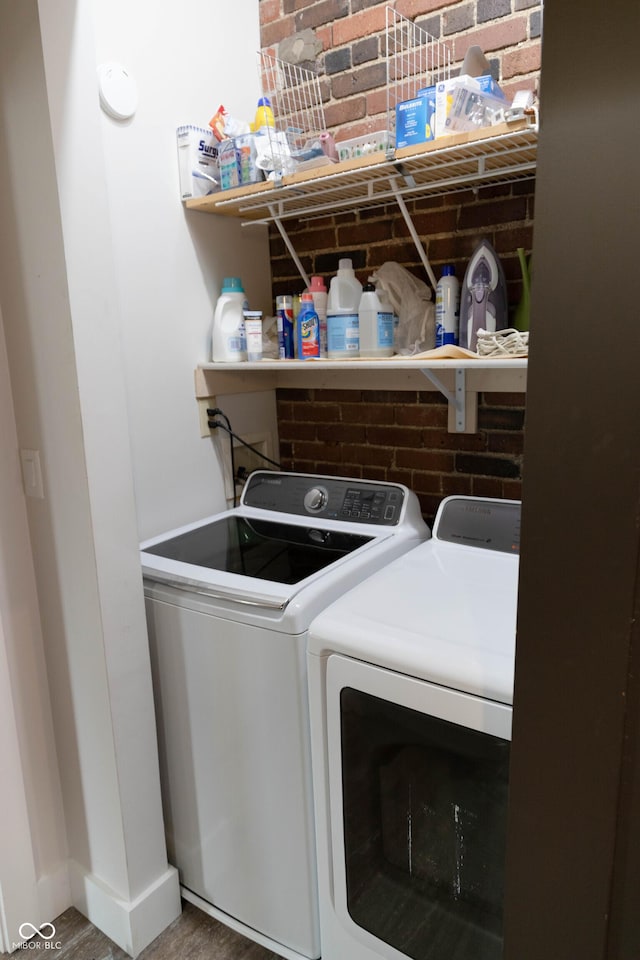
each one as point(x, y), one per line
point(232, 285)
point(448, 270)
point(264, 102)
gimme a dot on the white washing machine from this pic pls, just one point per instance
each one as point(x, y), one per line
point(229, 601)
point(411, 680)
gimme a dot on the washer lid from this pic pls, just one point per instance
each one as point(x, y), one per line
point(267, 549)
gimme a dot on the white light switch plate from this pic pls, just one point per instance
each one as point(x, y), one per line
point(32, 474)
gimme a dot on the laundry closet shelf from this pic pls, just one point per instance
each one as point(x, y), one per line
point(500, 154)
point(459, 380)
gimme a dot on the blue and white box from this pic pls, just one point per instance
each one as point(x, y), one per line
point(415, 119)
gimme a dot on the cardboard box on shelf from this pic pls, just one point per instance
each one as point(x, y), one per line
point(415, 118)
point(445, 91)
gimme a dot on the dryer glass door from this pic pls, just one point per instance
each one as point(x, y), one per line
point(418, 788)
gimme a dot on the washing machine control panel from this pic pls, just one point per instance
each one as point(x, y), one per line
point(329, 498)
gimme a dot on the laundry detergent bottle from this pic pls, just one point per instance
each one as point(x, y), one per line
point(308, 329)
point(318, 291)
point(345, 291)
point(228, 341)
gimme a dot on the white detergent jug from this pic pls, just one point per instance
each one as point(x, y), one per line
point(345, 291)
point(376, 324)
point(228, 340)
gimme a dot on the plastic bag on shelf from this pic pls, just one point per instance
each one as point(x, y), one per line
point(412, 304)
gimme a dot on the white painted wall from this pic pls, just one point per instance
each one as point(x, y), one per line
point(107, 289)
point(186, 58)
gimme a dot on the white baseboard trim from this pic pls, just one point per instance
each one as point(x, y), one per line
point(130, 924)
point(54, 892)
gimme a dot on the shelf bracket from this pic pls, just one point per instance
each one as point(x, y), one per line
point(414, 233)
point(462, 403)
point(482, 166)
point(288, 244)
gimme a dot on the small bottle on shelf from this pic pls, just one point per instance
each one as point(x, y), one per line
point(308, 329)
point(376, 324)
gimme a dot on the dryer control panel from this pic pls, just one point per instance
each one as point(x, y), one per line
point(490, 524)
point(329, 498)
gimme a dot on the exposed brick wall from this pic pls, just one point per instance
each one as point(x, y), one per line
point(403, 436)
point(449, 227)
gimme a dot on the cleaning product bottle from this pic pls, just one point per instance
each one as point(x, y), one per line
point(392, 321)
point(318, 291)
point(447, 307)
point(343, 302)
point(264, 115)
point(375, 324)
point(228, 343)
point(308, 329)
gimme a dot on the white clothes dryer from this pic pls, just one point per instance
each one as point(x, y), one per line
point(229, 600)
point(410, 680)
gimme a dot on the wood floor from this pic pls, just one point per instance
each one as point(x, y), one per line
point(193, 936)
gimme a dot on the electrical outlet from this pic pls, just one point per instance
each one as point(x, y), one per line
point(244, 458)
point(203, 405)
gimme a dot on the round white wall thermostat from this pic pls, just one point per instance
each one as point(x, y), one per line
point(118, 91)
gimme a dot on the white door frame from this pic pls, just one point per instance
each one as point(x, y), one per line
point(18, 882)
point(18, 879)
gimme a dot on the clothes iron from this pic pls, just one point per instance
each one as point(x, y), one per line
point(483, 297)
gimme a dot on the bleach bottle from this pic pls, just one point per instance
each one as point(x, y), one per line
point(345, 291)
point(228, 341)
point(376, 324)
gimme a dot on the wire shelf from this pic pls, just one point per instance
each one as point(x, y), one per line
point(295, 97)
point(494, 155)
point(415, 60)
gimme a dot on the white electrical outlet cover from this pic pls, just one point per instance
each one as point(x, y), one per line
point(118, 91)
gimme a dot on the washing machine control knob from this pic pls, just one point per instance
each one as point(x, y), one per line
point(316, 499)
